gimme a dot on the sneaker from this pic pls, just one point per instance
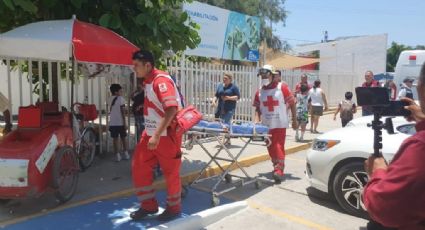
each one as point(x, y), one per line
point(126, 155)
point(141, 213)
point(117, 157)
point(302, 138)
point(168, 215)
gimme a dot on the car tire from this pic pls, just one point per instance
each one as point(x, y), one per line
point(348, 188)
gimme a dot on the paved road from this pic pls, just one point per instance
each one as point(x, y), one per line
point(290, 205)
point(106, 177)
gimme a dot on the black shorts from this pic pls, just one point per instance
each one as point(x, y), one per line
point(117, 131)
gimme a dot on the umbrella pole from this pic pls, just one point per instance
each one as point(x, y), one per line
point(72, 84)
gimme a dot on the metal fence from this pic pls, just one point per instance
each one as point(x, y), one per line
point(198, 83)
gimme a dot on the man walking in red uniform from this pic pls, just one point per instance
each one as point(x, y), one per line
point(272, 102)
point(159, 143)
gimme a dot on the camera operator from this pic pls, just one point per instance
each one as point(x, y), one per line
point(395, 193)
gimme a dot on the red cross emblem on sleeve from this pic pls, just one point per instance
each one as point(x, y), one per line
point(270, 103)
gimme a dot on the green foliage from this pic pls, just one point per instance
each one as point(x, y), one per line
point(156, 25)
point(394, 52)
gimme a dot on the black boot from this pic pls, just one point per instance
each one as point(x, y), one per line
point(141, 213)
point(167, 215)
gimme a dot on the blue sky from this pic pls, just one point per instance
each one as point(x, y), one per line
point(402, 20)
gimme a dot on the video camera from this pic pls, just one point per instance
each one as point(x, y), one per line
point(378, 100)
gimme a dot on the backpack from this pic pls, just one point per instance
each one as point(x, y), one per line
point(347, 110)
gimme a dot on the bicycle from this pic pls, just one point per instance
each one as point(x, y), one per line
point(84, 134)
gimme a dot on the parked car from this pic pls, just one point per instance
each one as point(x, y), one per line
point(335, 161)
point(363, 121)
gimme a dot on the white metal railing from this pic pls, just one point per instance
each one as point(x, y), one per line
point(198, 82)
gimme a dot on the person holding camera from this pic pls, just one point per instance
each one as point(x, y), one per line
point(395, 193)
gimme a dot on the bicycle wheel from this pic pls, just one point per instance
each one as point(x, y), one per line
point(87, 148)
point(65, 173)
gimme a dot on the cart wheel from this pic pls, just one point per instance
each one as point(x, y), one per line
point(185, 191)
point(215, 201)
point(65, 173)
point(228, 178)
point(87, 148)
point(257, 184)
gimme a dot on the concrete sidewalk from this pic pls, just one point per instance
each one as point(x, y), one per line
point(107, 179)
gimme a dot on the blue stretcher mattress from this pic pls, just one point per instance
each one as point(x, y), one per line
point(244, 128)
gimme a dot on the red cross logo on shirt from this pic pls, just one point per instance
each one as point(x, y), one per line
point(270, 103)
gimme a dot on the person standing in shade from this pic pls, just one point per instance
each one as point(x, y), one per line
point(318, 103)
point(117, 123)
point(394, 194)
point(137, 107)
point(369, 82)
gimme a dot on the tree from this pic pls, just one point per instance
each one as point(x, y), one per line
point(394, 52)
point(267, 10)
point(156, 25)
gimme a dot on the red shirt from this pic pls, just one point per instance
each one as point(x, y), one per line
point(396, 197)
point(287, 95)
point(163, 88)
point(372, 84)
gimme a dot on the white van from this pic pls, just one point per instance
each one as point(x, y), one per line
point(409, 65)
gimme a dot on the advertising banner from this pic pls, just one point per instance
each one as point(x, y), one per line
point(224, 34)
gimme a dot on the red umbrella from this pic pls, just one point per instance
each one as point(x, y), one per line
point(61, 40)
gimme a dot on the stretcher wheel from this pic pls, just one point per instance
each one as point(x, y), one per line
point(188, 144)
point(65, 173)
point(185, 191)
point(215, 201)
point(4, 201)
point(228, 178)
point(257, 184)
point(87, 148)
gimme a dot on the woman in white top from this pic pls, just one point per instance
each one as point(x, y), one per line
point(317, 100)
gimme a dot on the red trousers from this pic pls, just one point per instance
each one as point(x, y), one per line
point(168, 155)
point(277, 149)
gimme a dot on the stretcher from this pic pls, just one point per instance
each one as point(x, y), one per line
point(220, 132)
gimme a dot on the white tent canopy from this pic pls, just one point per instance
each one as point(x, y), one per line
point(48, 40)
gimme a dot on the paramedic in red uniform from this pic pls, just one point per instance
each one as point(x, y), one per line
point(272, 102)
point(159, 143)
point(395, 193)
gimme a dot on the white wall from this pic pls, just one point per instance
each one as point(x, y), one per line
point(352, 55)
